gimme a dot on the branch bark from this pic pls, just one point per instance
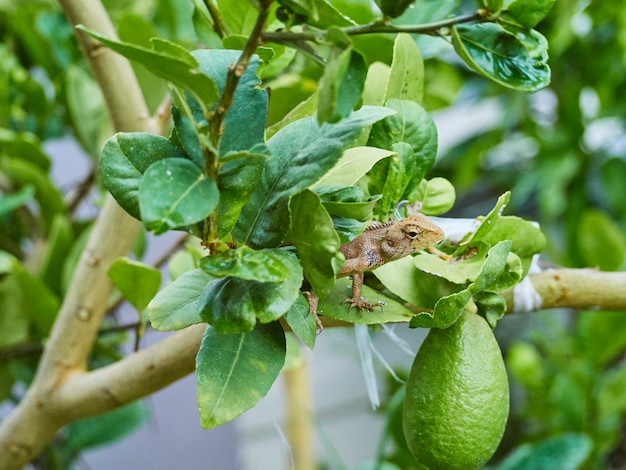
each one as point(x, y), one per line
point(33, 423)
point(579, 289)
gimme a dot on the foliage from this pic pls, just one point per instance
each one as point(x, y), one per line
point(350, 135)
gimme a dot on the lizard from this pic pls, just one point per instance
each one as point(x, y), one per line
point(379, 244)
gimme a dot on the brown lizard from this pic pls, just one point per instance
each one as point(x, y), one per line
point(379, 244)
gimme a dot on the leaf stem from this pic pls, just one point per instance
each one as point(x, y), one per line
point(433, 29)
point(216, 121)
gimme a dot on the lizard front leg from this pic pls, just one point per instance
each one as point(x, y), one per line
point(356, 300)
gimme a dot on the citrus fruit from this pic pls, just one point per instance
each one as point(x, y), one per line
point(457, 397)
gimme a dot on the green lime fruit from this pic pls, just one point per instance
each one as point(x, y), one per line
point(457, 397)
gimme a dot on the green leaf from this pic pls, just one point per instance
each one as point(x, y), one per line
point(232, 304)
point(87, 110)
point(302, 153)
point(9, 202)
point(611, 400)
point(566, 452)
point(411, 125)
point(168, 61)
point(105, 429)
point(437, 196)
point(602, 335)
point(360, 207)
point(315, 239)
point(526, 13)
point(341, 85)
point(244, 124)
point(174, 193)
point(406, 81)
point(22, 172)
point(398, 175)
point(490, 306)
point(25, 146)
point(390, 311)
point(137, 282)
point(302, 322)
point(234, 372)
point(239, 17)
point(486, 223)
point(492, 269)
point(125, 158)
point(376, 82)
point(393, 8)
point(58, 247)
point(25, 301)
point(236, 181)
point(447, 310)
point(413, 285)
point(319, 13)
point(601, 242)
point(176, 306)
point(500, 56)
point(352, 166)
point(245, 263)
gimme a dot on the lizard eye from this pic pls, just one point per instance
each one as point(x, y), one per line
point(413, 234)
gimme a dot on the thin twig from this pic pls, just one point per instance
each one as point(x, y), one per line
point(288, 37)
point(218, 23)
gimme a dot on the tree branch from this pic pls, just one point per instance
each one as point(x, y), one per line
point(580, 289)
point(34, 422)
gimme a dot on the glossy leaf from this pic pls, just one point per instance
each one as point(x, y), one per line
point(500, 56)
point(447, 310)
point(244, 124)
point(233, 372)
point(176, 306)
point(302, 322)
point(410, 125)
point(567, 451)
point(246, 263)
point(237, 179)
point(393, 8)
point(491, 306)
point(526, 13)
point(232, 305)
point(174, 193)
point(341, 85)
point(352, 166)
point(406, 80)
point(319, 13)
point(413, 285)
point(137, 282)
point(168, 61)
point(333, 306)
point(125, 158)
point(494, 265)
point(399, 174)
point(437, 196)
point(315, 239)
point(302, 153)
point(359, 207)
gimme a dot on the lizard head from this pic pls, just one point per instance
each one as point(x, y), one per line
point(409, 235)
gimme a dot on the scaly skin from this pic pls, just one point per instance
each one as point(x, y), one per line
point(379, 244)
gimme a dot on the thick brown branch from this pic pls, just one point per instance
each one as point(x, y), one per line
point(579, 289)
